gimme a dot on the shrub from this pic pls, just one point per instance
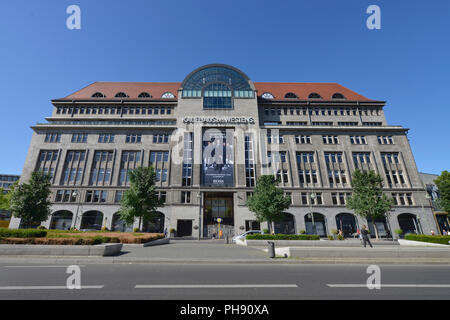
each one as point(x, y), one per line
point(283, 237)
point(334, 231)
point(105, 229)
point(302, 231)
point(42, 228)
point(266, 231)
point(172, 230)
point(330, 238)
point(22, 233)
point(430, 239)
point(341, 237)
point(136, 230)
point(399, 232)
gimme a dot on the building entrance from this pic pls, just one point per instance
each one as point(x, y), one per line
point(218, 205)
point(184, 228)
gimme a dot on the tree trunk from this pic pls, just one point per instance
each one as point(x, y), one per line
point(273, 227)
point(375, 228)
point(140, 223)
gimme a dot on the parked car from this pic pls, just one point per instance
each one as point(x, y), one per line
point(242, 236)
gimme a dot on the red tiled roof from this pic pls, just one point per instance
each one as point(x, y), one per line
point(157, 89)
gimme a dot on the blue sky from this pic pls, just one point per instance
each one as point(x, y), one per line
point(405, 63)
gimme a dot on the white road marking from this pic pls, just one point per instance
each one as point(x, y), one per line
point(47, 287)
point(213, 286)
point(53, 266)
point(390, 285)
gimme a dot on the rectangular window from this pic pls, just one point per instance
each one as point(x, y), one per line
point(79, 137)
point(185, 197)
point(188, 146)
point(53, 137)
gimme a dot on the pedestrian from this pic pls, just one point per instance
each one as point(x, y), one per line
point(365, 236)
point(444, 232)
point(165, 233)
point(432, 232)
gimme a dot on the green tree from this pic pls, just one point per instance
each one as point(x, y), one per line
point(30, 201)
point(5, 197)
point(368, 200)
point(141, 200)
point(268, 201)
point(443, 184)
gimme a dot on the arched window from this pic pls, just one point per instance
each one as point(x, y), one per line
point(121, 95)
point(338, 95)
point(61, 220)
point(194, 84)
point(267, 95)
point(217, 96)
point(92, 220)
point(314, 96)
point(98, 95)
point(156, 224)
point(144, 95)
point(286, 225)
point(408, 223)
point(290, 95)
point(167, 95)
point(315, 224)
point(120, 225)
point(347, 223)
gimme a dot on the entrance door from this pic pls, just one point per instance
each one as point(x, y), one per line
point(218, 205)
point(184, 228)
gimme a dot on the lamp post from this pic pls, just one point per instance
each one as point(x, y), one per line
point(199, 196)
point(313, 197)
point(76, 194)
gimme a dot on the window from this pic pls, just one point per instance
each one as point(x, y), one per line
point(274, 139)
point(53, 137)
point(162, 195)
point(133, 138)
point(98, 95)
point(330, 139)
point(305, 157)
point(290, 95)
point(385, 140)
point(106, 138)
point(187, 159)
point(249, 161)
point(217, 96)
point(336, 177)
point(65, 196)
point(118, 197)
point(185, 197)
point(73, 169)
point(161, 175)
point(161, 138)
point(121, 95)
point(358, 140)
point(129, 161)
point(372, 124)
point(340, 198)
point(314, 96)
point(303, 139)
point(144, 95)
point(168, 95)
point(333, 157)
point(347, 124)
point(267, 95)
point(338, 96)
point(102, 166)
point(47, 161)
point(79, 137)
point(282, 176)
point(322, 123)
point(96, 196)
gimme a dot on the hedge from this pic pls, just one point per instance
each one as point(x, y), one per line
point(283, 237)
point(22, 233)
point(431, 239)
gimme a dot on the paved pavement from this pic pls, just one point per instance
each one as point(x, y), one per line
point(195, 250)
point(25, 280)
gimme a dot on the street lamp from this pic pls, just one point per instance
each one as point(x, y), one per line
point(76, 194)
point(199, 196)
point(313, 197)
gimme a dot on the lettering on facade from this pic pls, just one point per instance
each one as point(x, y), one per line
point(216, 120)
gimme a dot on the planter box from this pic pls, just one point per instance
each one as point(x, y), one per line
point(157, 242)
point(101, 250)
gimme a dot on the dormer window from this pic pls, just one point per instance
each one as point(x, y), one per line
point(267, 95)
point(98, 95)
point(338, 96)
point(290, 95)
point(168, 95)
point(121, 95)
point(144, 95)
point(314, 96)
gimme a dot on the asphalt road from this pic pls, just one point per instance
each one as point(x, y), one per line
point(20, 280)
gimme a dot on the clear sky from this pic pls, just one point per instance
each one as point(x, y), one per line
point(405, 63)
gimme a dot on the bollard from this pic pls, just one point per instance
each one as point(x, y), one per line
point(227, 240)
point(271, 249)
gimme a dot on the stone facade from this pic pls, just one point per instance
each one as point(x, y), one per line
point(340, 133)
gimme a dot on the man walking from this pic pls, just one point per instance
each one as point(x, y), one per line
point(365, 236)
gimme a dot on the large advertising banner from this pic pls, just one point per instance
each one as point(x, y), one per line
point(218, 158)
